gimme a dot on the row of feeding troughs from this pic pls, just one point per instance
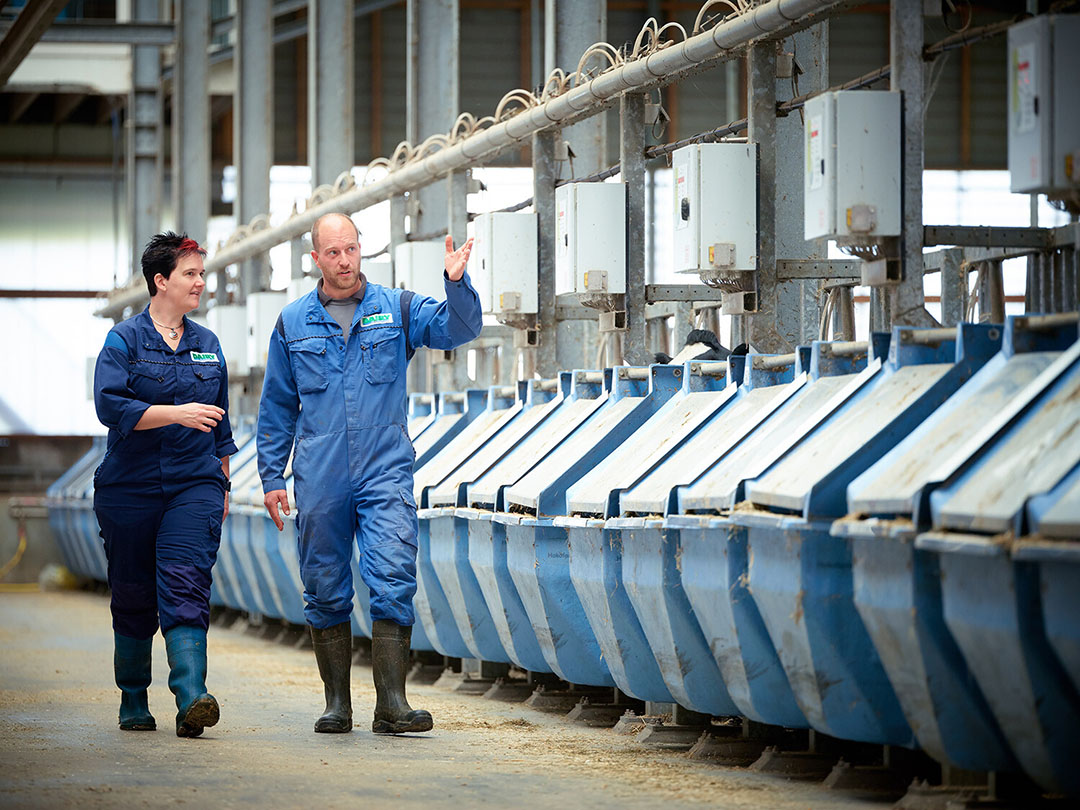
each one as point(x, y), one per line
point(879, 541)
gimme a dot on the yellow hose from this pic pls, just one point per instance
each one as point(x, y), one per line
point(10, 564)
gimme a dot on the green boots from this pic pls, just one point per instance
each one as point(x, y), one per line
point(131, 666)
point(390, 662)
point(333, 652)
point(186, 648)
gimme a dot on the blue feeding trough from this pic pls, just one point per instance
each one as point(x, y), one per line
point(759, 426)
point(453, 412)
point(646, 662)
point(60, 505)
point(449, 531)
point(537, 550)
point(800, 576)
point(432, 607)
point(421, 414)
point(991, 584)
point(487, 536)
point(1054, 546)
point(898, 587)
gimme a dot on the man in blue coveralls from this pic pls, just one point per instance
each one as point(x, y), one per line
point(334, 395)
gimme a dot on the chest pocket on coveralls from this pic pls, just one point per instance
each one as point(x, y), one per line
point(207, 383)
point(381, 359)
point(146, 383)
point(309, 364)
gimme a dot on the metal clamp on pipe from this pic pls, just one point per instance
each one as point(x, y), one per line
point(846, 348)
point(1044, 323)
point(769, 362)
point(925, 337)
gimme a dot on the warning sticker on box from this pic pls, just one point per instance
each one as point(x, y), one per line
point(815, 153)
point(1024, 88)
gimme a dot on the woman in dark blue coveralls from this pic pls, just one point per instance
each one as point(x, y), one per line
point(161, 492)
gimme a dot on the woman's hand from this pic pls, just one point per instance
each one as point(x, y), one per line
point(197, 415)
point(226, 508)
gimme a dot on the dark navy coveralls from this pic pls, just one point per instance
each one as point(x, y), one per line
point(159, 494)
point(353, 461)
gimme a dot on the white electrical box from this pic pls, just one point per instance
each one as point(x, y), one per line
point(851, 180)
point(503, 262)
point(715, 207)
point(590, 238)
point(263, 309)
point(229, 323)
point(1044, 104)
point(379, 271)
point(419, 267)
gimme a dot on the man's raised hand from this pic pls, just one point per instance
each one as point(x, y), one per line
point(456, 260)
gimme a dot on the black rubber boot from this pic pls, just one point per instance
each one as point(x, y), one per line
point(186, 648)
point(390, 664)
point(131, 666)
point(333, 652)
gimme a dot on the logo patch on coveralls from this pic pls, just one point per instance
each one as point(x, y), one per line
point(371, 320)
point(204, 357)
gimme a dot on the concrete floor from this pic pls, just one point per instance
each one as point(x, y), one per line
point(60, 746)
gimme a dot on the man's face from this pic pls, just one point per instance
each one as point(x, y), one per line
point(338, 257)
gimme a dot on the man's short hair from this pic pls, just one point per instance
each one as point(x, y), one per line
point(318, 223)
point(163, 252)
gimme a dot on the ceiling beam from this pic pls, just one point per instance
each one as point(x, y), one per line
point(64, 105)
point(105, 32)
point(20, 103)
point(24, 32)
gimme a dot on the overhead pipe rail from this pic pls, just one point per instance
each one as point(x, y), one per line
point(664, 65)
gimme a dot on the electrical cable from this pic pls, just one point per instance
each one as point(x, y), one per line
point(9, 566)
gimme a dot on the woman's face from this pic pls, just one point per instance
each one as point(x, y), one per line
point(184, 286)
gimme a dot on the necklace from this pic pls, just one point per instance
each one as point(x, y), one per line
point(173, 335)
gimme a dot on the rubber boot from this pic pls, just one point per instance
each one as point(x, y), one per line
point(390, 664)
point(333, 652)
point(186, 648)
point(131, 666)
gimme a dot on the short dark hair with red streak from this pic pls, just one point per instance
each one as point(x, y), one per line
point(163, 252)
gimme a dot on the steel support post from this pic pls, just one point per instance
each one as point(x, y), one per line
point(906, 63)
point(632, 160)
point(953, 287)
point(297, 249)
point(144, 139)
point(577, 24)
point(191, 121)
point(433, 93)
point(798, 302)
point(253, 130)
point(543, 163)
point(761, 328)
point(330, 89)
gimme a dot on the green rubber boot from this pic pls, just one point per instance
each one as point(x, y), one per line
point(390, 664)
point(333, 653)
point(131, 667)
point(186, 647)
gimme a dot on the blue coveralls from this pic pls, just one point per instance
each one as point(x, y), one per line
point(353, 461)
point(159, 494)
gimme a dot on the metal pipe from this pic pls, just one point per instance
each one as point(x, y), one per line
point(769, 362)
point(925, 337)
point(634, 373)
point(546, 385)
point(582, 101)
point(594, 377)
point(846, 348)
point(1044, 323)
point(453, 397)
point(710, 369)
